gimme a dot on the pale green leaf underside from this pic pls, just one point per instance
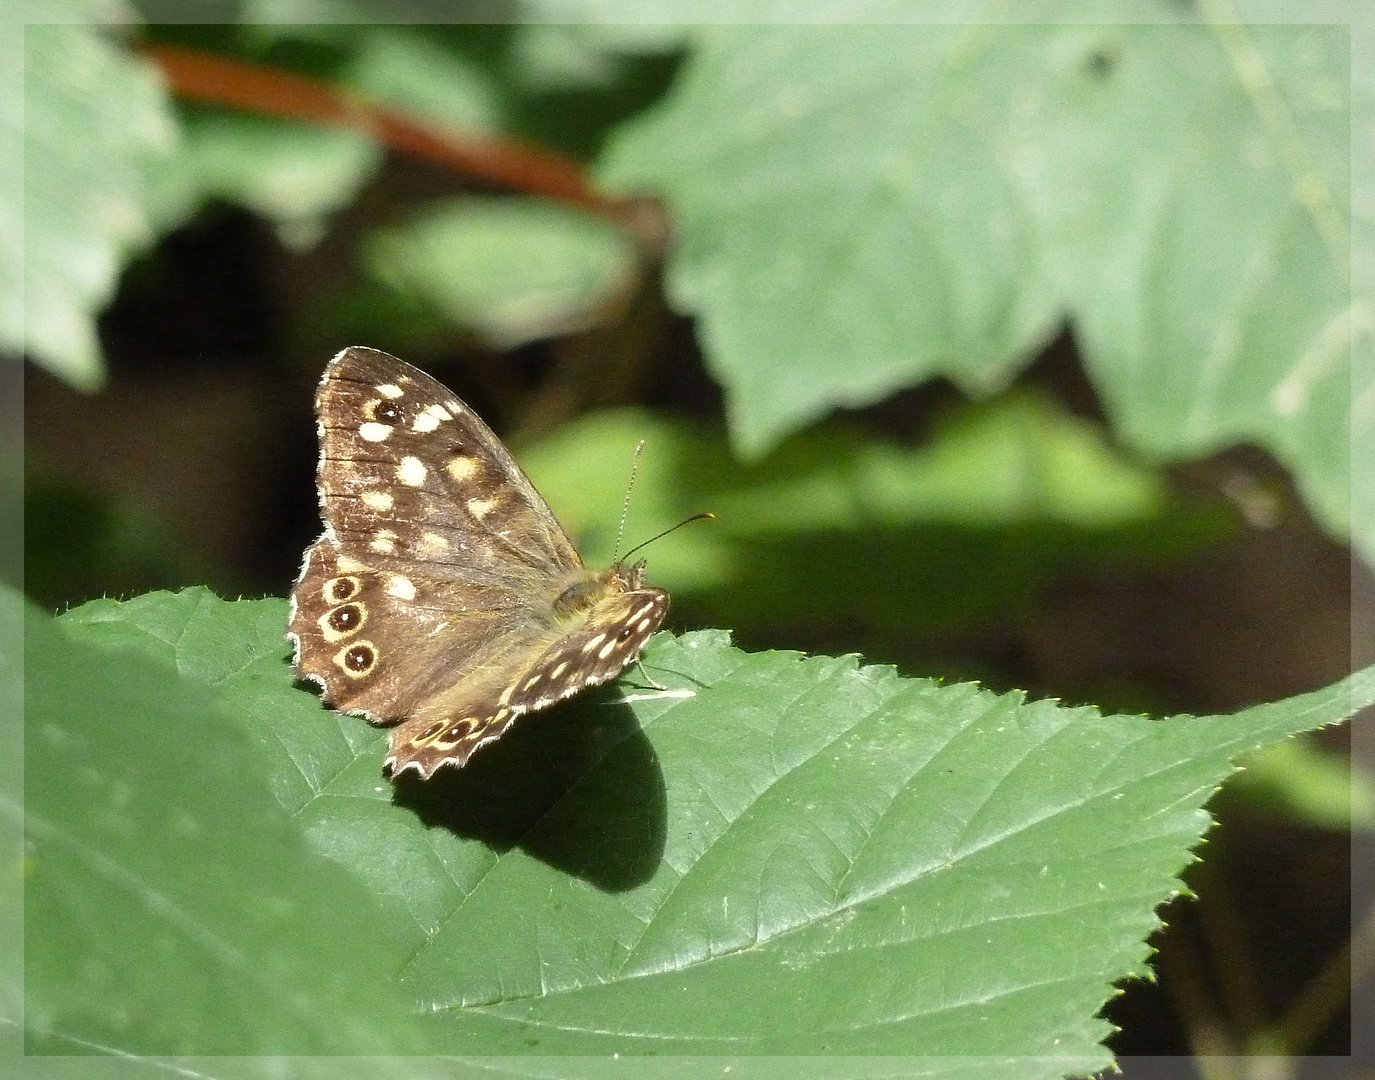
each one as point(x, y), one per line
point(292, 173)
point(513, 270)
point(93, 115)
point(802, 856)
point(860, 208)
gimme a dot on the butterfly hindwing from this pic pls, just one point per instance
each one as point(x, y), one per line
point(374, 645)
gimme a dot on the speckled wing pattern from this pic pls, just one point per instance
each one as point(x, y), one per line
point(444, 597)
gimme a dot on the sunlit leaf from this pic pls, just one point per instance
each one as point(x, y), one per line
point(777, 854)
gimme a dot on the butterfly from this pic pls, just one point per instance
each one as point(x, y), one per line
point(444, 597)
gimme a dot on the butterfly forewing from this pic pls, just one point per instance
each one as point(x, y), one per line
point(407, 469)
point(444, 595)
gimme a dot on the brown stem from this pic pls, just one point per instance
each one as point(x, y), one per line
point(503, 162)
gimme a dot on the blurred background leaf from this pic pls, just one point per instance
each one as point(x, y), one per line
point(1304, 780)
point(983, 183)
point(513, 271)
point(295, 175)
point(93, 116)
point(910, 549)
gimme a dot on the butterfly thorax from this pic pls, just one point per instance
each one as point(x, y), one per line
point(591, 589)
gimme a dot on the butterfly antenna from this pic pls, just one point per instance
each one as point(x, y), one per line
point(695, 517)
point(625, 507)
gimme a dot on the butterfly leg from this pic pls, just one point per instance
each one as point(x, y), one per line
point(646, 676)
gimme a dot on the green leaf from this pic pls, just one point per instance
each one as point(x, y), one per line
point(562, 55)
point(1021, 457)
point(860, 208)
point(93, 116)
point(171, 905)
point(1309, 783)
point(780, 854)
point(511, 269)
point(399, 67)
point(11, 813)
point(292, 173)
point(1001, 500)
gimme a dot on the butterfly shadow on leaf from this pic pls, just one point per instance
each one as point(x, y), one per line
point(577, 786)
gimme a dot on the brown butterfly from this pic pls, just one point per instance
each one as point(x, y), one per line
point(444, 597)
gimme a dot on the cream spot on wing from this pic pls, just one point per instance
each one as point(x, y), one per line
point(383, 542)
point(462, 467)
point(607, 650)
point(594, 643)
point(378, 500)
point(412, 471)
point(643, 624)
point(559, 670)
point(401, 587)
point(480, 508)
point(374, 432)
point(432, 544)
point(431, 417)
point(532, 680)
point(389, 390)
point(346, 565)
point(506, 695)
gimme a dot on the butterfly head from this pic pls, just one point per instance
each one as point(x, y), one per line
point(628, 577)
